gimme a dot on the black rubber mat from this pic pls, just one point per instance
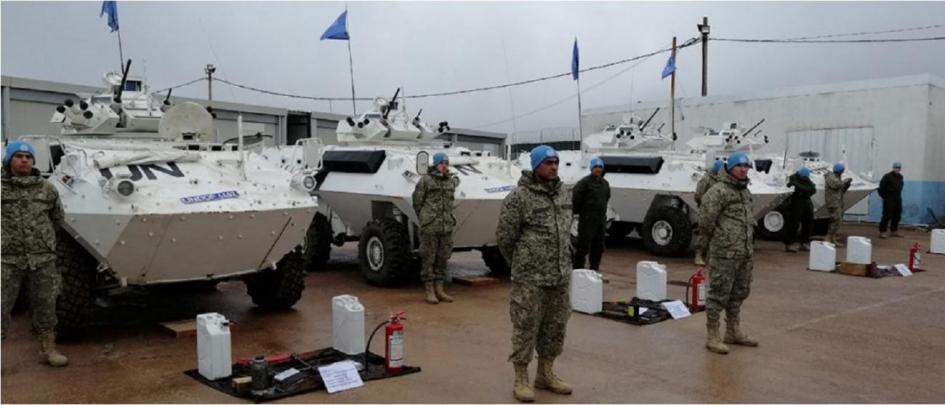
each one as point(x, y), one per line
point(312, 381)
point(629, 312)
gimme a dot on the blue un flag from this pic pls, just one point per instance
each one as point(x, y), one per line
point(110, 8)
point(338, 29)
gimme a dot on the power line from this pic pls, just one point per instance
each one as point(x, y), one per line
point(851, 34)
point(568, 98)
point(828, 41)
point(181, 85)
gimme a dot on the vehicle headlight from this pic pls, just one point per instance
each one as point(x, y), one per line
point(124, 188)
point(304, 182)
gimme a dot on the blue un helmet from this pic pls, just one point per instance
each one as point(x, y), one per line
point(803, 172)
point(18, 146)
point(839, 168)
point(597, 162)
point(540, 153)
point(440, 157)
point(738, 158)
point(716, 166)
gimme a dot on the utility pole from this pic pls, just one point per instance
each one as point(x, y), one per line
point(209, 70)
point(704, 30)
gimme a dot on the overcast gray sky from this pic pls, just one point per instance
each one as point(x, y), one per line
point(440, 46)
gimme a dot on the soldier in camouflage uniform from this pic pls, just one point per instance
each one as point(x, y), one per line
point(589, 199)
point(834, 200)
point(709, 179)
point(433, 201)
point(533, 236)
point(726, 218)
point(31, 214)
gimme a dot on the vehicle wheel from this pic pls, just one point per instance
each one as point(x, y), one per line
point(384, 253)
point(772, 226)
point(75, 302)
point(495, 261)
point(667, 232)
point(318, 243)
point(280, 288)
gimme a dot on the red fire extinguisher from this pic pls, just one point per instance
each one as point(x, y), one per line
point(915, 260)
point(696, 291)
point(394, 344)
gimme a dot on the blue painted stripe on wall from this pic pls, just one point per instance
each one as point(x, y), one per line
point(917, 198)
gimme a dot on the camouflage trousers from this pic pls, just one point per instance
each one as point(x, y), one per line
point(836, 215)
point(43, 283)
point(435, 251)
point(729, 286)
point(539, 320)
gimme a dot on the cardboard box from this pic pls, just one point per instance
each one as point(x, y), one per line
point(856, 269)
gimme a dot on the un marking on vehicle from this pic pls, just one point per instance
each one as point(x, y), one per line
point(500, 189)
point(223, 195)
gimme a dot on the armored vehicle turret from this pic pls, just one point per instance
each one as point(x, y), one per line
point(365, 186)
point(148, 200)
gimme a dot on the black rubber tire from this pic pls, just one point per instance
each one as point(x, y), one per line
point(495, 261)
point(396, 259)
point(764, 233)
point(681, 232)
point(280, 288)
point(318, 243)
point(76, 298)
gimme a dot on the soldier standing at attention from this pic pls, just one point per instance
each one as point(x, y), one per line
point(433, 201)
point(534, 236)
point(834, 200)
point(31, 214)
point(890, 190)
point(726, 218)
point(801, 210)
point(589, 199)
point(708, 180)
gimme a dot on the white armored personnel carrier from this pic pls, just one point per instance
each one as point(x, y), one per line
point(365, 186)
point(772, 226)
point(148, 201)
point(653, 188)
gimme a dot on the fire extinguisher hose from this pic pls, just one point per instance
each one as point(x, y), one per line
point(689, 284)
point(367, 348)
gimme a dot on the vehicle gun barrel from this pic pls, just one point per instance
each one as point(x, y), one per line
point(124, 78)
point(650, 119)
point(753, 127)
point(392, 103)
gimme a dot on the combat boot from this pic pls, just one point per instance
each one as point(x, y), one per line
point(883, 235)
point(792, 248)
point(441, 292)
point(734, 335)
point(547, 380)
point(431, 293)
point(713, 341)
point(51, 355)
point(805, 247)
point(522, 391)
point(700, 261)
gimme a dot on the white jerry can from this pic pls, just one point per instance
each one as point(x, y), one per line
point(587, 291)
point(859, 250)
point(347, 331)
point(937, 245)
point(213, 346)
point(651, 281)
point(823, 256)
